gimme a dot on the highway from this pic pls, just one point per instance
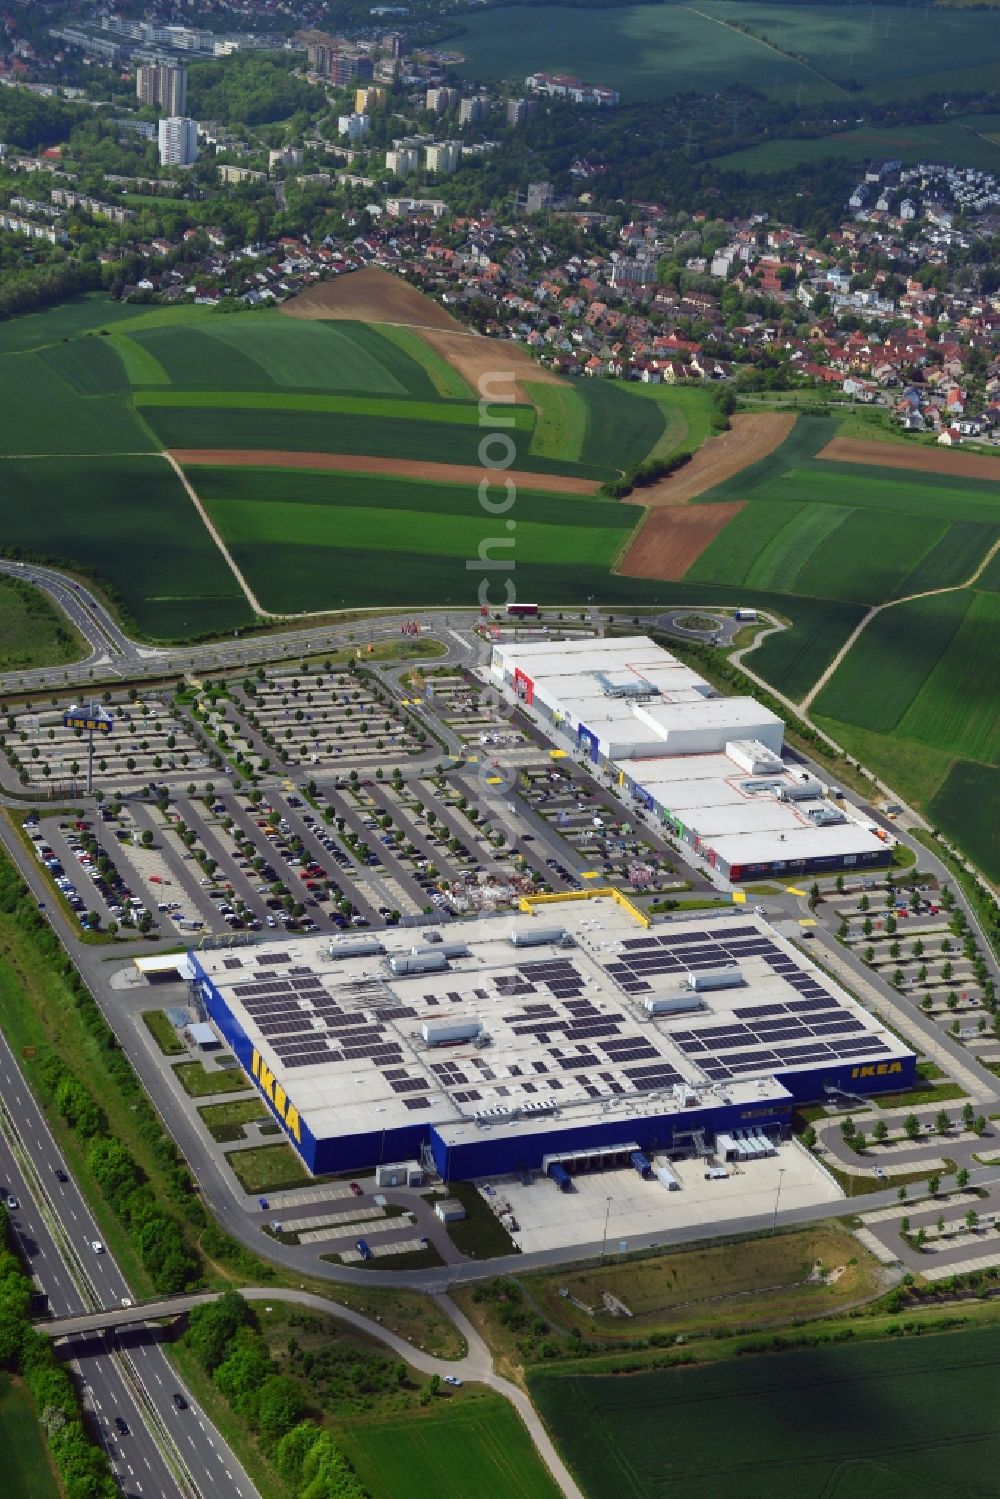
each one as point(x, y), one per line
point(125, 1375)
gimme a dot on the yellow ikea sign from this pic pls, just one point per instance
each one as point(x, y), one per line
point(877, 1069)
point(276, 1097)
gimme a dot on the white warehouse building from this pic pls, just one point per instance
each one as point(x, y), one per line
point(710, 767)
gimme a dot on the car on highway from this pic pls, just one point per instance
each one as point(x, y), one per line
point(61, 1174)
point(97, 1246)
point(179, 1401)
point(12, 1202)
point(121, 1425)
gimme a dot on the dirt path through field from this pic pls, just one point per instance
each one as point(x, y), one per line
point(670, 540)
point(751, 437)
point(212, 530)
point(391, 468)
point(376, 296)
point(921, 460)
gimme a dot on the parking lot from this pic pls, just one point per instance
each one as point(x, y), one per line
point(907, 935)
point(312, 719)
point(303, 798)
point(598, 831)
point(148, 741)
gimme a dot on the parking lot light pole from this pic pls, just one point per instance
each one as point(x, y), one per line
point(777, 1199)
point(604, 1240)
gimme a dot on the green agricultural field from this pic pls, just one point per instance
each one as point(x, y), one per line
point(847, 531)
point(45, 412)
point(267, 351)
point(918, 699)
point(621, 429)
point(687, 416)
point(561, 423)
point(966, 142)
point(26, 1462)
point(376, 435)
point(964, 805)
point(311, 540)
point(139, 365)
point(646, 52)
point(958, 706)
point(879, 680)
point(448, 383)
point(805, 51)
point(476, 1448)
point(448, 413)
point(883, 51)
point(877, 1420)
point(34, 330)
point(130, 520)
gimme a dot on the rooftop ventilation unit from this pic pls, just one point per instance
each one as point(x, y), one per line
point(433, 961)
point(800, 791)
point(361, 947)
point(825, 817)
point(672, 1004)
point(716, 978)
point(636, 689)
point(537, 936)
point(447, 1032)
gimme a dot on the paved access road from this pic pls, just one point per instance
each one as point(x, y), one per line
point(126, 1376)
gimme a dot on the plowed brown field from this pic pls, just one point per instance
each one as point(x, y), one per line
point(370, 296)
point(673, 538)
point(752, 436)
point(921, 460)
point(377, 296)
point(365, 463)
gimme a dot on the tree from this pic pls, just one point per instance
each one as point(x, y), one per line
point(212, 1328)
point(971, 1219)
point(941, 1122)
point(809, 1137)
point(901, 1194)
point(904, 1227)
point(921, 1239)
point(933, 1183)
point(847, 1127)
point(280, 1405)
point(961, 1179)
point(880, 1132)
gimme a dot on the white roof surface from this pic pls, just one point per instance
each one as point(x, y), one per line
point(563, 1028)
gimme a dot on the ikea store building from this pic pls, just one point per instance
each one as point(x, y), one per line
point(574, 1026)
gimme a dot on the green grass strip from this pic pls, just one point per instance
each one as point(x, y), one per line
point(451, 413)
point(561, 424)
point(445, 379)
point(141, 367)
